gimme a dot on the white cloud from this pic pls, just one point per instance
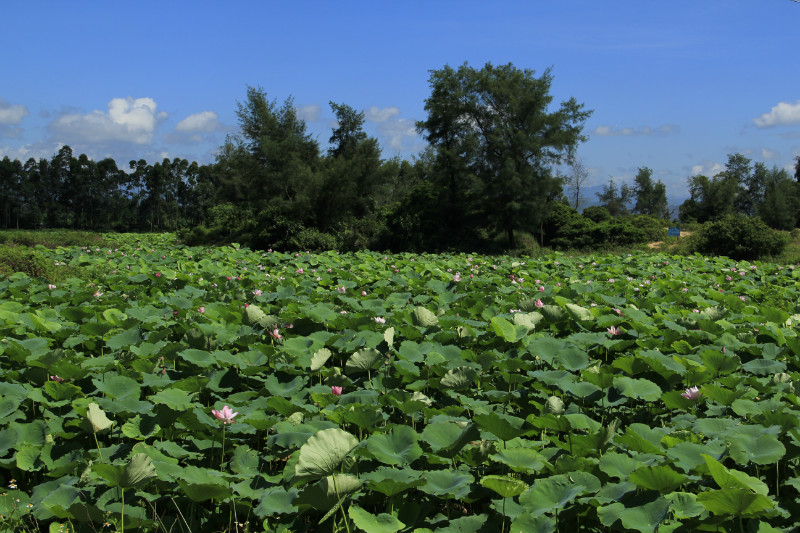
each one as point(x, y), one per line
point(608, 131)
point(203, 122)
point(127, 120)
point(768, 154)
point(11, 115)
point(707, 168)
point(376, 114)
point(399, 134)
point(783, 114)
point(309, 113)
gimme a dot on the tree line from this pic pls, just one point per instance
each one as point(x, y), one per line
point(488, 177)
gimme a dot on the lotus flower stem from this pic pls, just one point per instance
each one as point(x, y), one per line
point(338, 498)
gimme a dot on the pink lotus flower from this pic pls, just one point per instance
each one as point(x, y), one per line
point(56, 379)
point(342, 289)
point(336, 391)
point(51, 286)
point(613, 330)
point(457, 277)
point(692, 393)
point(258, 292)
point(299, 271)
point(226, 415)
point(363, 293)
point(97, 294)
point(541, 288)
point(158, 274)
point(380, 320)
point(276, 334)
point(538, 303)
point(201, 309)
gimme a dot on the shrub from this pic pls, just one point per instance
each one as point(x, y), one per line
point(740, 237)
point(20, 259)
point(597, 213)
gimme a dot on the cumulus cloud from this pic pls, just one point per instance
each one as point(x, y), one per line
point(203, 122)
point(377, 114)
point(768, 154)
point(707, 168)
point(309, 113)
point(608, 131)
point(783, 114)
point(10, 117)
point(399, 134)
point(128, 120)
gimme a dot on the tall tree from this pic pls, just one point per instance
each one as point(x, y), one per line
point(273, 161)
point(576, 179)
point(616, 199)
point(651, 198)
point(494, 124)
point(352, 171)
point(779, 209)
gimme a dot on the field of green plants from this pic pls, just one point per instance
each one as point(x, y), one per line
point(191, 389)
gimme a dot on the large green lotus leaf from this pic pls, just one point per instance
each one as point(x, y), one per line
point(643, 439)
point(661, 478)
point(733, 479)
point(366, 521)
point(14, 502)
point(321, 313)
point(244, 461)
point(504, 427)
point(571, 358)
point(552, 313)
point(464, 524)
point(321, 455)
point(720, 363)
point(551, 493)
point(447, 483)
point(276, 501)
point(118, 387)
point(684, 505)
point(397, 447)
point(176, 399)
point(528, 522)
point(201, 492)
point(141, 428)
point(505, 486)
point(762, 449)
point(125, 339)
point(735, 502)
point(546, 348)
point(504, 329)
point(764, 367)
point(319, 359)
point(448, 437)
point(364, 416)
point(527, 320)
point(138, 471)
point(253, 315)
point(458, 378)
point(423, 317)
point(199, 358)
point(62, 391)
point(524, 460)
point(689, 455)
point(54, 498)
point(715, 426)
point(284, 389)
point(363, 361)
point(617, 465)
point(637, 388)
point(390, 481)
point(581, 314)
point(645, 518)
point(322, 494)
point(97, 418)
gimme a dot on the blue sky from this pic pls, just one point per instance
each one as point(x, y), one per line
point(675, 86)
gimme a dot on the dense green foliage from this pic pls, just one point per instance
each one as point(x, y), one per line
point(373, 392)
point(740, 237)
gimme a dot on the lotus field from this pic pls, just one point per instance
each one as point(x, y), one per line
point(177, 389)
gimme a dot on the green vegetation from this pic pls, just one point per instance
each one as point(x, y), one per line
point(178, 388)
